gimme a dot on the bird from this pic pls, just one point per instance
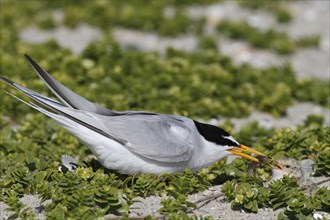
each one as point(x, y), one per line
point(133, 142)
point(68, 163)
point(301, 171)
point(287, 166)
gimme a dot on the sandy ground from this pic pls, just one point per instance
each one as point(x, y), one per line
point(310, 17)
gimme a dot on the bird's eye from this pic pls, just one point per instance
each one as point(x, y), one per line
point(287, 166)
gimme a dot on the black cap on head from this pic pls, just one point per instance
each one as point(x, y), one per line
point(215, 134)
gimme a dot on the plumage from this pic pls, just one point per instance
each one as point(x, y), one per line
point(133, 141)
point(68, 97)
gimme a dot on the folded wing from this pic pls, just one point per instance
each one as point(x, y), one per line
point(156, 137)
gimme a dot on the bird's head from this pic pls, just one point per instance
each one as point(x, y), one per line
point(222, 138)
point(286, 166)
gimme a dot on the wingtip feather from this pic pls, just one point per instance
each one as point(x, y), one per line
point(33, 63)
point(27, 57)
point(8, 81)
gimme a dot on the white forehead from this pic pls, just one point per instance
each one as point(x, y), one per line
point(231, 138)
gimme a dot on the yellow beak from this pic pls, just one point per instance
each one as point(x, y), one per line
point(242, 148)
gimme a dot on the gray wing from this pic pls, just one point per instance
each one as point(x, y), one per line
point(68, 97)
point(155, 136)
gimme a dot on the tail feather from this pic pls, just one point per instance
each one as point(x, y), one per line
point(64, 114)
point(74, 127)
point(59, 118)
point(27, 91)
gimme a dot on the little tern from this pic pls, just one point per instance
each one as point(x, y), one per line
point(134, 141)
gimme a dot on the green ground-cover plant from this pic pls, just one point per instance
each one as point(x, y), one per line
point(142, 15)
point(284, 193)
point(279, 8)
point(147, 17)
point(28, 168)
point(93, 191)
point(202, 84)
point(250, 193)
point(265, 39)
